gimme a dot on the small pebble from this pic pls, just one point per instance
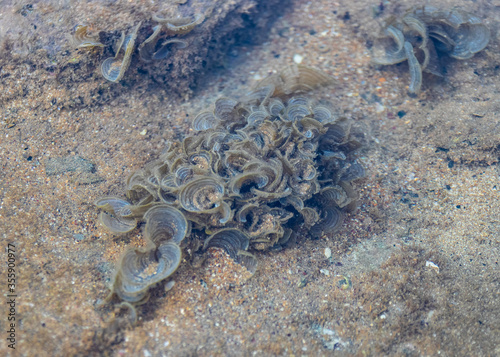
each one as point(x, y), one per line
point(328, 253)
point(432, 265)
point(325, 272)
point(143, 132)
point(78, 237)
point(297, 58)
point(169, 285)
point(379, 108)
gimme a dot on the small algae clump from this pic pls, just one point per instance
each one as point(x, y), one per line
point(114, 68)
point(156, 47)
point(82, 39)
point(423, 35)
point(257, 171)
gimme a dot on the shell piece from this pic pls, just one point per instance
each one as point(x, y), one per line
point(334, 136)
point(149, 50)
point(310, 127)
point(351, 203)
point(294, 201)
point(287, 237)
point(201, 194)
point(183, 175)
point(231, 240)
point(165, 223)
point(441, 39)
point(111, 204)
point(271, 196)
point(417, 25)
point(433, 65)
point(138, 211)
point(167, 197)
point(273, 168)
point(132, 312)
point(117, 224)
point(191, 144)
point(139, 270)
point(299, 100)
point(113, 68)
point(244, 211)
point(235, 160)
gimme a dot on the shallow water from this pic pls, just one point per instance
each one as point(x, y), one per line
point(414, 271)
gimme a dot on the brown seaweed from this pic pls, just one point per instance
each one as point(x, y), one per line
point(113, 68)
point(82, 39)
point(423, 34)
point(156, 47)
point(140, 269)
point(116, 214)
point(255, 172)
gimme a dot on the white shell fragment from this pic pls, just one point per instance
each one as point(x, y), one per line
point(432, 266)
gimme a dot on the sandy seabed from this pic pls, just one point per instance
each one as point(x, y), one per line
point(413, 272)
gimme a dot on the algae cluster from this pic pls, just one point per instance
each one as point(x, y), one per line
point(113, 68)
point(257, 171)
point(424, 34)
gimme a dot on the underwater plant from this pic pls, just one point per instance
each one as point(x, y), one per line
point(423, 35)
point(257, 171)
point(113, 68)
point(82, 39)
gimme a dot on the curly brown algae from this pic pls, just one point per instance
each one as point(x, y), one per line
point(424, 34)
point(255, 174)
